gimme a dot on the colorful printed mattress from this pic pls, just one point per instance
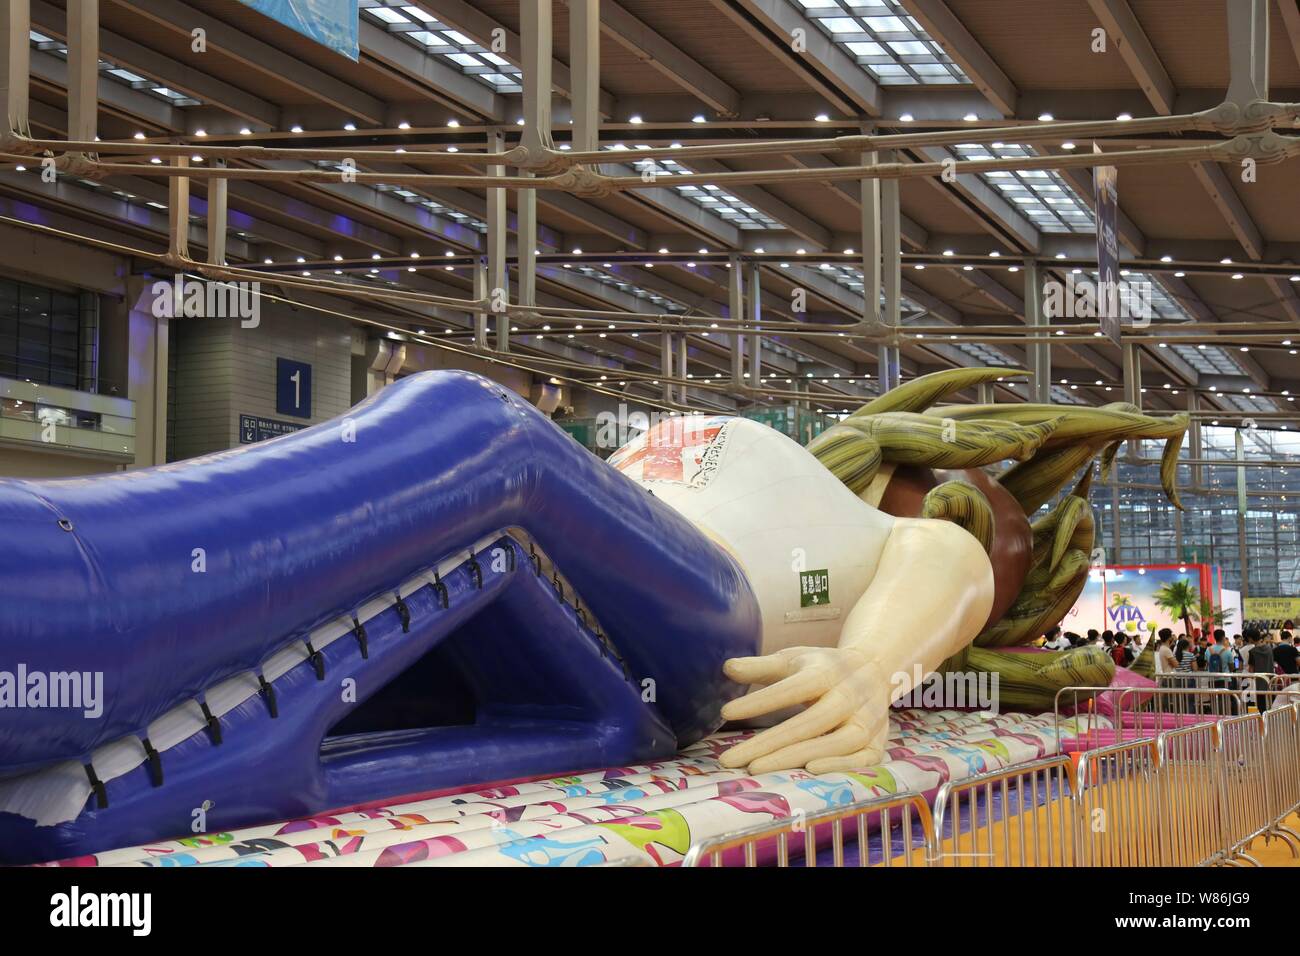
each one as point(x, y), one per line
point(654, 811)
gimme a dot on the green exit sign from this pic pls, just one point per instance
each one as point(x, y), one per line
point(814, 588)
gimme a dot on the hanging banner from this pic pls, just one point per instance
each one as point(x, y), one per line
point(331, 23)
point(1272, 609)
point(1105, 188)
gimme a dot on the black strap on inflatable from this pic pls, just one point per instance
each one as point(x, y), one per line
point(155, 763)
point(97, 785)
point(476, 570)
point(441, 590)
point(359, 630)
point(404, 612)
point(600, 639)
point(534, 557)
point(559, 585)
point(214, 725)
point(582, 615)
point(268, 695)
point(317, 661)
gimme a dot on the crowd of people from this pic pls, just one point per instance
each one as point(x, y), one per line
point(1248, 661)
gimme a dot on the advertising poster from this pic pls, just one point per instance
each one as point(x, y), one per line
point(1107, 210)
point(1124, 598)
point(331, 23)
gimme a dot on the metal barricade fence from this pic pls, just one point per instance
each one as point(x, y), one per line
point(902, 822)
point(1243, 784)
point(1195, 794)
point(1282, 748)
point(1282, 769)
point(1020, 816)
point(1191, 827)
point(1118, 806)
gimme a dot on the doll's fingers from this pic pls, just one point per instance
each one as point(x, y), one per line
point(829, 712)
point(759, 670)
point(844, 740)
point(867, 756)
point(798, 688)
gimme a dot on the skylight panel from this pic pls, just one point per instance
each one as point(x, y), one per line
point(884, 41)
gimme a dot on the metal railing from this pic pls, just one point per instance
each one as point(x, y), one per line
point(1037, 822)
point(1191, 826)
point(1118, 806)
point(1195, 794)
point(902, 822)
point(1243, 784)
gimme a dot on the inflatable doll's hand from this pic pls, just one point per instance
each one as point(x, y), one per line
point(843, 727)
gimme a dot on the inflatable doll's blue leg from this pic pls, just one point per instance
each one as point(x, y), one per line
point(218, 617)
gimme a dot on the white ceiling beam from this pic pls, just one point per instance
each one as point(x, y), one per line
point(652, 48)
point(260, 57)
point(114, 97)
point(185, 77)
point(482, 29)
point(827, 68)
point(1120, 23)
point(950, 33)
point(428, 76)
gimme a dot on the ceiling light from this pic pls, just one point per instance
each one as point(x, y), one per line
point(1045, 117)
point(245, 131)
point(906, 118)
point(349, 126)
point(822, 118)
point(1124, 117)
point(1166, 258)
point(635, 119)
point(295, 129)
point(970, 118)
point(200, 132)
point(1067, 146)
point(403, 125)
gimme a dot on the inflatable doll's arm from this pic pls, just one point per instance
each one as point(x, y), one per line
point(931, 595)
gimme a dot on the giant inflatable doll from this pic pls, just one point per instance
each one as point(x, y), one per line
point(442, 588)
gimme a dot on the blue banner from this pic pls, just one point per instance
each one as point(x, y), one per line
point(331, 23)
